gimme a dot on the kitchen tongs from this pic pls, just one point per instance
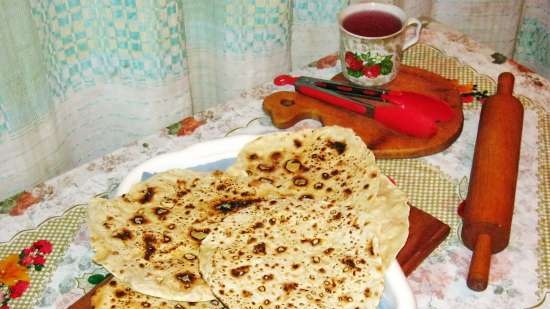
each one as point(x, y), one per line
point(405, 112)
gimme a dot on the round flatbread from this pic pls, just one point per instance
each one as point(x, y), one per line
point(117, 295)
point(150, 236)
point(288, 253)
point(330, 163)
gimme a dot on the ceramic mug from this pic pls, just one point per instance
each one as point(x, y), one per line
point(371, 56)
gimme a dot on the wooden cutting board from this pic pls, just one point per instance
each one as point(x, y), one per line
point(287, 108)
point(425, 234)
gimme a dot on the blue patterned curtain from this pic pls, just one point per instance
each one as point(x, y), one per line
point(80, 78)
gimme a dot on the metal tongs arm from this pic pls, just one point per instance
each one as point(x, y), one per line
point(310, 87)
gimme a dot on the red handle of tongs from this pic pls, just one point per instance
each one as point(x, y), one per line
point(333, 100)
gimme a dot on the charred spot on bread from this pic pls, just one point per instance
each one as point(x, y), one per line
point(120, 293)
point(281, 249)
point(292, 165)
point(124, 234)
point(348, 261)
point(187, 278)
point(259, 248)
point(276, 155)
point(258, 225)
point(340, 147)
point(290, 286)
point(299, 181)
point(231, 205)
point(240, 271)
point(161, 213)
point(139, 219)
point(150, 248)
point(265, 168)
point(147, 195)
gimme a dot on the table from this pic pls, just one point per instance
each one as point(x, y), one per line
point(520, 275)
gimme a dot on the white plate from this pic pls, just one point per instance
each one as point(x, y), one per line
point(218, 154)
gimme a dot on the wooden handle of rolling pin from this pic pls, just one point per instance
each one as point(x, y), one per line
point(489, 205)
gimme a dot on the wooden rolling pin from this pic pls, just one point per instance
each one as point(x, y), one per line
point(489, 205)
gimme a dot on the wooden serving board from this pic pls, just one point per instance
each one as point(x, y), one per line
point(287, 108)
point(425, 234)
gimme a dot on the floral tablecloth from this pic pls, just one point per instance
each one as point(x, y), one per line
point(520, 275)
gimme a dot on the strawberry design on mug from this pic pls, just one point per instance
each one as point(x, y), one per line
point(372, 71)
point(352, 62)
point(370, 66)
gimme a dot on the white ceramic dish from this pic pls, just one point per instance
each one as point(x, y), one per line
point(218, 154)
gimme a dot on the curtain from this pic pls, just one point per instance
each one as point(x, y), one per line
point(80, 78)
point(532, 46)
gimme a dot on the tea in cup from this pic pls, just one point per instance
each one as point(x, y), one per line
point(372, 37)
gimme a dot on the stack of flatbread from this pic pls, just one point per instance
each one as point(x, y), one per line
point(300, 220)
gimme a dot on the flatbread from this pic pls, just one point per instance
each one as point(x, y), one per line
point(117, 295)
point(150, 236)
point(288, 253)
point(388, 216)
point(329, 163)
